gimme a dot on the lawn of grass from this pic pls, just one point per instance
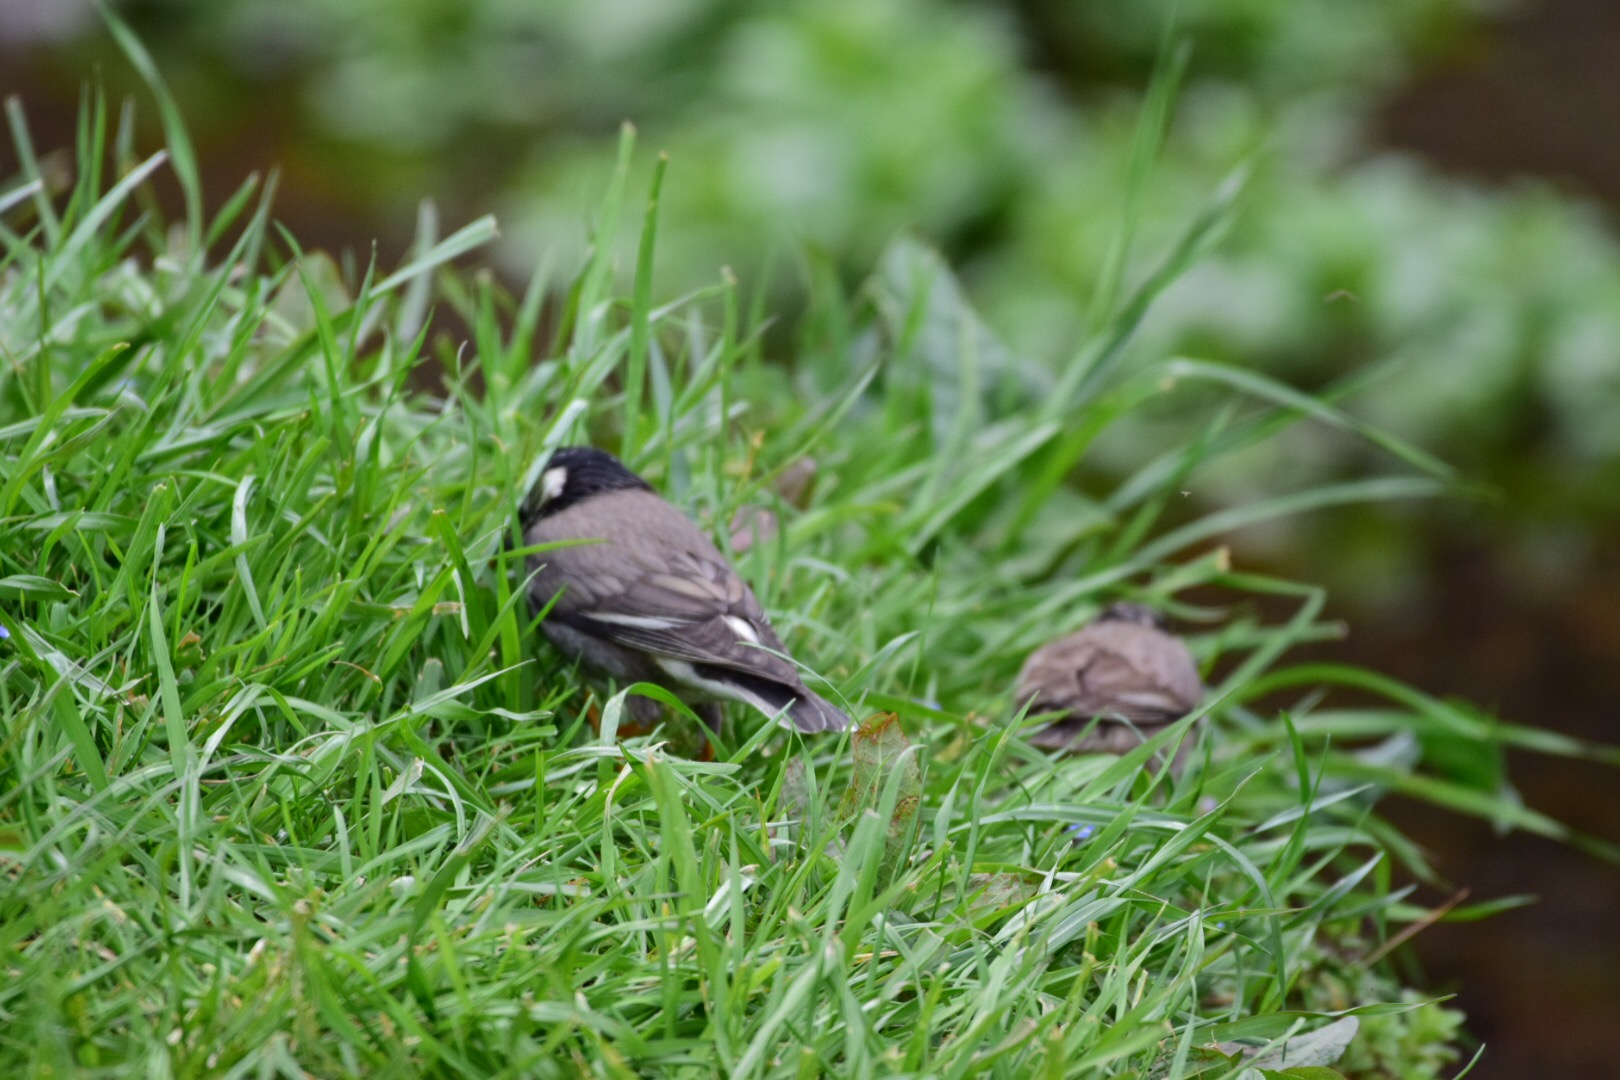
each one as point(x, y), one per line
point(290, 785)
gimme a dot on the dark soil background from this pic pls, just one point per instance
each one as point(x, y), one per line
point(1540, 985)
point(1537, 95)
point(1534, 95)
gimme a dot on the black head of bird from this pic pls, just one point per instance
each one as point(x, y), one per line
point(644, 596)
point(574, 474)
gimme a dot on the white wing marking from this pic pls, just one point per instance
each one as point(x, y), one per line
point(645, 622)
point(743, 628)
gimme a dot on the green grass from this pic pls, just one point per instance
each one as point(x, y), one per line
point(290, 785)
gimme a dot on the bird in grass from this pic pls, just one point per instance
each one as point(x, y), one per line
point(645, 597)
point(1124, 669)
point(755, 524)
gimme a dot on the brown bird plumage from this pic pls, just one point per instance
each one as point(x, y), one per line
point(1124, 669)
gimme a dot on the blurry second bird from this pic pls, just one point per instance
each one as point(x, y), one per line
point(755, 524)
point(1125, 670)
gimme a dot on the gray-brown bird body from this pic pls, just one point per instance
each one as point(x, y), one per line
point(755, 524)
point(1124, 669)
point(646, 597)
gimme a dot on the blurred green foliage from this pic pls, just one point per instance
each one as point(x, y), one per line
point(1005, 132)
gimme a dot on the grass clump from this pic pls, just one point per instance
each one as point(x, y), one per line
point(288, 785)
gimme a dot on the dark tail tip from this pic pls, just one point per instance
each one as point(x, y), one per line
point(807, 711)
point(812, 714)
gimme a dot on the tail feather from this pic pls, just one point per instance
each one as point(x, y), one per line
point(814, 713)
point(808, 712)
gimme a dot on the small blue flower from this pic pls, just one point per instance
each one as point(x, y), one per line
point(1082, 833)
point(4, 633)
point(1220, 926)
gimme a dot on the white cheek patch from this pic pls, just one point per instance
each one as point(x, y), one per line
point(742, 628)
point(552, 483)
